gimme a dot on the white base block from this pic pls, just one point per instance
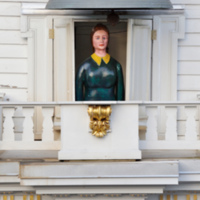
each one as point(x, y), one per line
point(133, 154)
point(77, 142)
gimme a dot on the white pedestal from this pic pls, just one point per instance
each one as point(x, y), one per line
point(77, 143)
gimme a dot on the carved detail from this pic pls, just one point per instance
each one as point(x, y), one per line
point(99, 119)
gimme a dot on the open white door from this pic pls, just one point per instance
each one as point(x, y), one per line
point(39, 66)
point(63, 59)
point(138, 71)
point(63, 68)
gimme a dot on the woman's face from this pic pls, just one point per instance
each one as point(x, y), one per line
point(100, 40)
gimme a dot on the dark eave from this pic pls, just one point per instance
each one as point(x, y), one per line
point(108, 4)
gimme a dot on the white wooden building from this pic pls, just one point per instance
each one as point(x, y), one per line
point(46, 149)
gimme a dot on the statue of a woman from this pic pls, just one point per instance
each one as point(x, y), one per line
point(100, 77)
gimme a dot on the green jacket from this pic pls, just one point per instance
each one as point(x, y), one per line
point(99, 81)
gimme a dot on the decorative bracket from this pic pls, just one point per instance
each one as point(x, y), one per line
point(99, 119)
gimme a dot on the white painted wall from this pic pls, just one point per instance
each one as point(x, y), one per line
point(189, 52)
point(14, 66)
point(14, 54)
point(14, 51)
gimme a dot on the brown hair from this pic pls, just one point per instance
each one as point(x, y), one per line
point(99, 27)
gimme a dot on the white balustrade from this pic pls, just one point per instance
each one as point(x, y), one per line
point(171, 123)
point(191, 134)
point(28, 134)
point(19, 127)
point(48, 134)
point(27, 123)
point(171, 141)
point(152, 141)
point(152, 133)
point(8, 125)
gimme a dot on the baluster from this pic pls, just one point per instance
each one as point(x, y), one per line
point(48, 134)
point(191, 133)
point(8, 125)
point(151, 133)
point(171, 123)
point(28, 134)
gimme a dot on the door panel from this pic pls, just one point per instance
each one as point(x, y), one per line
point(63, 59)
point(39, 66)
point(63, 69)
point(138, 77)
point(138, 81)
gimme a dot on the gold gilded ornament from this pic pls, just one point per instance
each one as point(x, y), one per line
point(99, 119)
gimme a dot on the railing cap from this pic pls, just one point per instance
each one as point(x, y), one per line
point(62, 103)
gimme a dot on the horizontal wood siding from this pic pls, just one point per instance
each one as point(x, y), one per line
point(193, 82)
point(11, 37)
point(13, 80)
point(187, 95)
point(10, 9)
point(14, 94)
point(9, 23)
point(13, 53)
point(15, 66)
point(189, 53)
point(188, 68)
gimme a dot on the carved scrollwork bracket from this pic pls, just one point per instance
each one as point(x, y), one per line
point(99, 119)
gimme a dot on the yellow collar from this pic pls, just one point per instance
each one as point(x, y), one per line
point(97, 59)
